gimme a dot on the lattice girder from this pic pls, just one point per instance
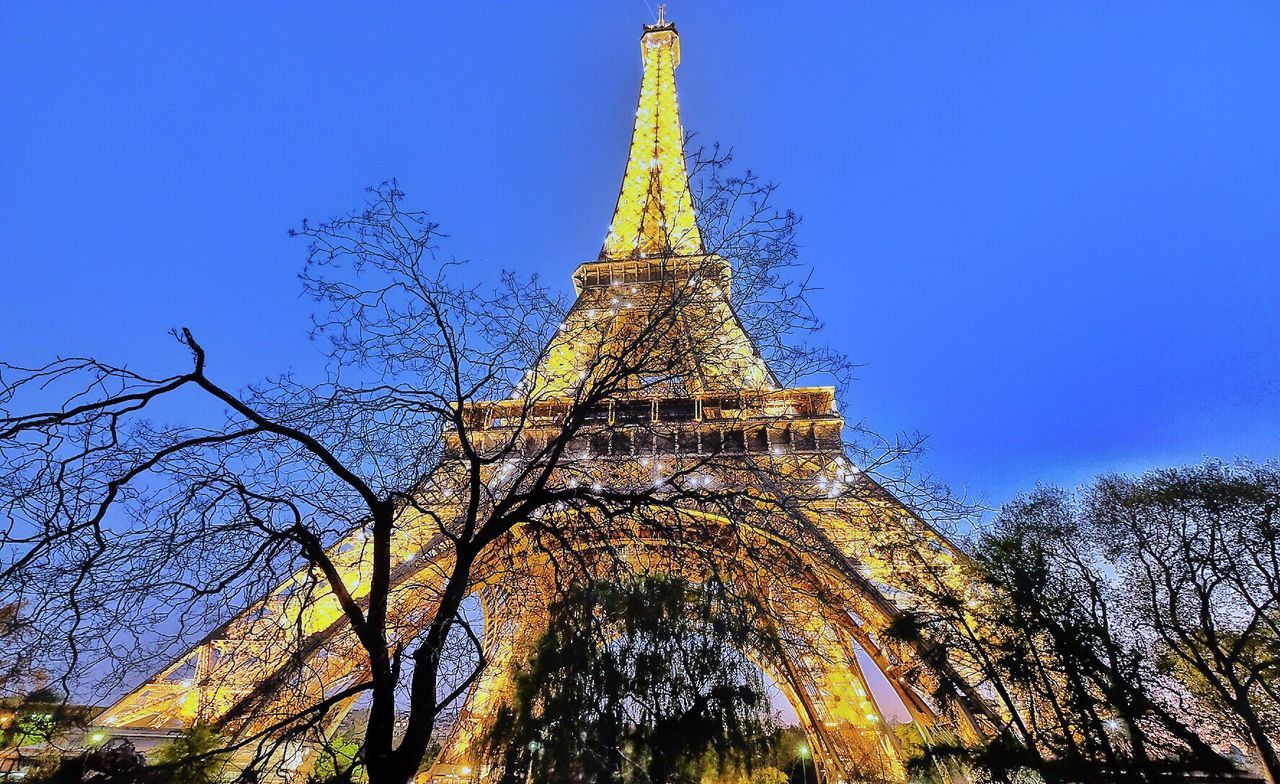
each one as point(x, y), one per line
point(820, 673)
point(828, 549)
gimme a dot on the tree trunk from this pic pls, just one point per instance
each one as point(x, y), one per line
point(1268, 758)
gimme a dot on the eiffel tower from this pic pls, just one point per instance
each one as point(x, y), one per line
point(832, 573)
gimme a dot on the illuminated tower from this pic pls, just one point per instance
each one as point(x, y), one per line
point(654, 215)
point(831, 570)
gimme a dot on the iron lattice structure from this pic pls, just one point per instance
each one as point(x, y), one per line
point(823, 548)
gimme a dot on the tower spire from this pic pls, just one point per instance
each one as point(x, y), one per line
point(655, 215)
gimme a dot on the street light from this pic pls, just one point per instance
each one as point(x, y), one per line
point(535, 748)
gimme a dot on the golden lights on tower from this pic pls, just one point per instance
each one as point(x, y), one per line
point(655, 214)
point(714, 416)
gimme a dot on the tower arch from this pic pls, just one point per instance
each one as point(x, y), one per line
point(820, 544)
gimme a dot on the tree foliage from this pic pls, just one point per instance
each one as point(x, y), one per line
point(1108, 624)
point(196, 756)
point(117, 762)
point(338, 762)
point(644, 680)
point(1198, 552)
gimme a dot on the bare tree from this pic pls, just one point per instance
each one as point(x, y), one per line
point(1199, 550)
point(326, 534)
point(1079, 607)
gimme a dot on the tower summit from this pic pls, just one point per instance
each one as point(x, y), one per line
point(655, 214)
point(650, 381)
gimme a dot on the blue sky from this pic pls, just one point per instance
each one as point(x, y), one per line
point(1049, 229)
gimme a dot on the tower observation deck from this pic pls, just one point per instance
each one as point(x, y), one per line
point(832, 562)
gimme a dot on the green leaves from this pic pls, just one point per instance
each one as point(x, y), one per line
point(647, 679)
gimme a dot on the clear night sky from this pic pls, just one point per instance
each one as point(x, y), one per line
point(1050, 229)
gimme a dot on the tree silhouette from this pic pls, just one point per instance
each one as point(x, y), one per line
point(641, 680)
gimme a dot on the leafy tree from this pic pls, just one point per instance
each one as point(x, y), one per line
point(1198, 552)
point(117, 762)
point(1041, 620)
point(38, 718)
point(788, 759)
point(641, 680)
point(338, 762)
point(195, 757)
